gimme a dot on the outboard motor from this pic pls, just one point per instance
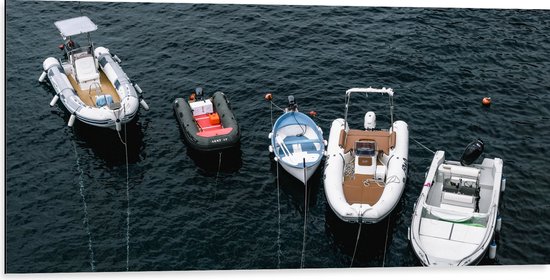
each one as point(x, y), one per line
point(370, 120)
point(198, 92)
point(291, 104)
point(472, 152)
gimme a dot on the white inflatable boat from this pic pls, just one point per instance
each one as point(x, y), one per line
point(366, 170)
point(455, 216)
point(90, 82)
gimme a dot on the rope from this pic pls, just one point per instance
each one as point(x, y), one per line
point(219, 166)
point(127, 190)
point(279, 252)
point(356, 243)
point(422, 145)
point(276, 106)
point(85, 207)
point(386, 242)
point(305, 217)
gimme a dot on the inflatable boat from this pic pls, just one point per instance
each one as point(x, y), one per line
point(208, 124)
point(90, 82)
point(297, 143)
point(366, 170)
point(455, 216)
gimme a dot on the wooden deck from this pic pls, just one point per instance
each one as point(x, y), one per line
point(362, 189)
point(89, 96)
point(384, 140)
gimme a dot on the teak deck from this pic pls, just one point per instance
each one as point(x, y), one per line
point(87, 96)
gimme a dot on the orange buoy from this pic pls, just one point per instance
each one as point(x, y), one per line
point(268, 96)
point(486, 101)
point(313, 113)
point(192, 96)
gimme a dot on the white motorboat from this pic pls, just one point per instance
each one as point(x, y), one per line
point(455, 216)
point(90, 82)
point(366, 170)
point(297, 143)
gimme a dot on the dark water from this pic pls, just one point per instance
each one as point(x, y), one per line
point(66, 194)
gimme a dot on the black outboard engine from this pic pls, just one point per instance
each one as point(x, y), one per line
point(199, 93)
point(291, 104)
point(472, 152)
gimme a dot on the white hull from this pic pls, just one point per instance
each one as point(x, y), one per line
point(298, 173)
point(395, 177)
point(100, 116)
point(454, 219)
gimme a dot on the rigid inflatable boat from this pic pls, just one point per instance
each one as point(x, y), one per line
point(455, 216)
point(366, 170)
point(297, 143)
point(207, 124)
point(90, 83)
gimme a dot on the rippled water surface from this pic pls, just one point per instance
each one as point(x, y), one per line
point(69, 208)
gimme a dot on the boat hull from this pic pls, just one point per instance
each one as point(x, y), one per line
point(104, 116)
point(444, 231)
point(184, 115)
point(334, 177)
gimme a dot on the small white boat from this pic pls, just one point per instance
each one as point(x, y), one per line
point(90, 83)
point(455, 216)
point(297, 143)
point(366, 170)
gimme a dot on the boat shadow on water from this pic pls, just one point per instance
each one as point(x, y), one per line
point(374, 239)
point(107, 143)
point(295, 188)
point(211, 162)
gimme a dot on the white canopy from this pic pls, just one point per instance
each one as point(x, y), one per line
point(75, 26)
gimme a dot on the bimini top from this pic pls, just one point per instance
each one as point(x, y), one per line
point(75, 26)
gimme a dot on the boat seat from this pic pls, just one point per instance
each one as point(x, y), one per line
point(457, 202)
point(86, 69)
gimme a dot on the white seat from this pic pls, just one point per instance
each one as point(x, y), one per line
point(86, 69)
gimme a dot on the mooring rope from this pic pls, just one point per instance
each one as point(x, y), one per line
point(305, 217)
point(421, 145)
point(279, 252)
point(356, 243)
point(85, 207)
point(386, 242)
point(219, 167)
point(127, 191)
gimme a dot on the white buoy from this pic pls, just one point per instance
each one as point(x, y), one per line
point(54, 100)
point(276, 158)
point(138, 89)
point(71, 120)
point(115, 57)
point(493, 250)
point(270, 135)
point(118, 125)
point(270, 149)
point(42, 77)
point(503, 184)
point(409, 233)
point(144, 104)
point(499, 223)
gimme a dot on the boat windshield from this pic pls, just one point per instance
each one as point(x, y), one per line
point(472, 219)
point(365, 148)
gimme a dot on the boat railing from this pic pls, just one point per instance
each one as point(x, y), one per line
point(488, 235)
point(450, 215)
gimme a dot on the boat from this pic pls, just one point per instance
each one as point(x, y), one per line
point(297, 142)
point(455, 216)
point(89, 81)
point(208, 124)
point(366, 169)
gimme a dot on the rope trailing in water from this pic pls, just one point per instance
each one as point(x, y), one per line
point(127, 191)
point(305, 216)
point(356, 243)
point(386, 242)
point(279, 252)
point(85, 207)
point(421, 145)
point(219, 166)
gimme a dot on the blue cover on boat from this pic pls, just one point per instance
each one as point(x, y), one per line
point(103, 100)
